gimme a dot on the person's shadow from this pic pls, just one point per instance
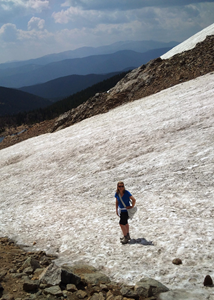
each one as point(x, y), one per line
point(141, 241)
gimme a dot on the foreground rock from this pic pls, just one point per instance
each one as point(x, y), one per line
point(51, 275)
point(25, 275)
point(148, 287)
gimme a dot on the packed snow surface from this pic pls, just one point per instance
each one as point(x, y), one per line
point(58, 189)
point(190, 43)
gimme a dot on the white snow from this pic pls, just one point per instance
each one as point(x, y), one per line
point(58, 189)
point(190, 43)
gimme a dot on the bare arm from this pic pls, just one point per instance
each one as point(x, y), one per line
point(116, 207)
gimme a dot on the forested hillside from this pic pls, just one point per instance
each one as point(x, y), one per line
point(13, 101)
point(59, 107)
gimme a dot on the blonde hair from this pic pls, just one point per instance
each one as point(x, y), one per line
point(117, 190)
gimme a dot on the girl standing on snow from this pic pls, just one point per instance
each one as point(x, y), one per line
point(122, 211)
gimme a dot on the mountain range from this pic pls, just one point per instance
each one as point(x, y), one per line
point(57, 76)
point(138, 46)
point(96, 64)
point(63, 87)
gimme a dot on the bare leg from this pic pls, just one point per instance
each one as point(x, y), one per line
point(125, 229)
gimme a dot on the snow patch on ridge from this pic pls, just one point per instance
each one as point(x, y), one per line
point(190, 43)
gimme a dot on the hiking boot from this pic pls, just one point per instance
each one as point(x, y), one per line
point(124, 240)
point(127, 236)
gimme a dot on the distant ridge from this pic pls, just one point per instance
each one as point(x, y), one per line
point(62, 87)
point(138, 46)
point(96, 64)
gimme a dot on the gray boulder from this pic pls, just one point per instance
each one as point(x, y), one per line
point(67, 276)
point(84, 272)
point(81, 294)
point(128, 292)
point(54, 291)
point(96, 278)
point(71, 287)
point(181, 294)
point(31, 262)
point(51, 275)
point(148, 287)
point(28, 270)
point(54, 275)
point(31, 285)
point(97, 296)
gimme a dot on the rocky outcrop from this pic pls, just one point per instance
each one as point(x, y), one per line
point(31, 285)
point(66, 282)
point(148, 287)
point(146, 80)
point(51, 275)
point(31, 263)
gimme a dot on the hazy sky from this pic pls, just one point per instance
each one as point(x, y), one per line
point(33, 28)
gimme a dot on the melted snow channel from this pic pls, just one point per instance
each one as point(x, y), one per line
point(58, 189)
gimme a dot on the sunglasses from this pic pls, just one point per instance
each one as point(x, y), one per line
point(120, 186)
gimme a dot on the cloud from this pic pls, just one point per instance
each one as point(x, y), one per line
point(36, 23)
point(81, 18)
point(25, 44)
point(65, 4)
point(155, 22)
point(10, 9)
point(97, 28)
point(127, 4)
point(9, 33)
point(37, 5)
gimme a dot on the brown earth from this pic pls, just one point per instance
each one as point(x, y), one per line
point(12, 258)
point(146, 80)
point(13, 278)
point(12, 135)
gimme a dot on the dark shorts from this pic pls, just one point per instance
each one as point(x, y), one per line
point(123, 218)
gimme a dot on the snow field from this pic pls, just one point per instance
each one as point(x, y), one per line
point(58, 189)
